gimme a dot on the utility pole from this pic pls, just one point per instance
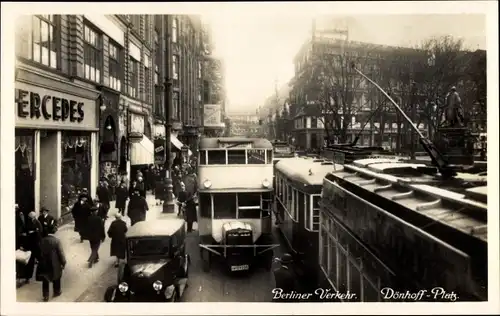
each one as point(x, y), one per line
point(168, 206)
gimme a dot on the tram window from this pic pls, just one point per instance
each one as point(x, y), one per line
point(355, 279)
point(224, 205)
point(307, 212)
point(203, 157)
point(249, 205)
point(342, 286)
point(332, 267)
point(315, 212)
point(236, 157)
point(325, 248)
point(205, 205)
point(370, 291)
point(299, 203)
point(216, 157)
point(269, 156)
point(256, 156)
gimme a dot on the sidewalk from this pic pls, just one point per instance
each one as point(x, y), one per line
point(77, 276)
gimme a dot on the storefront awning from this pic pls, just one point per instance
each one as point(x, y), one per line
point(178, 144)
point(142, 153)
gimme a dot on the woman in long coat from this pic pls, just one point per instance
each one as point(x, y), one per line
point(121, 197)
point(116, 232)
point(81, 213)
point(137, 208)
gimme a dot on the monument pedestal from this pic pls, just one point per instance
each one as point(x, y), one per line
point(456, 144)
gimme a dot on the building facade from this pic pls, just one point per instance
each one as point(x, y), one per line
point(187, 57)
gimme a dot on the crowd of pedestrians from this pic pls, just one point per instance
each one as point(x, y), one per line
point(37, 247)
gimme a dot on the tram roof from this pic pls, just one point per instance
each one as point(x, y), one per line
point(159, 227)
point(215, 142)
point(306, 170)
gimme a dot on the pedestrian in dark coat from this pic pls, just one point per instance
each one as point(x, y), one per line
point(121, 198)
point(188, 205)
point(141, 186)
point(81, 213)
point(95, 234)
point(160, 185)
point(33, 238)
point(137, 208)
point(116, 232)
point(51, 264)
point(47, 221)
point(104, 196)
point(21, 232)
point(285, 277)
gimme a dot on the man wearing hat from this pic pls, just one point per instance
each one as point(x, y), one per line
point(284, 276)
point(47, 222)
point(104, 195)
point(95, 234)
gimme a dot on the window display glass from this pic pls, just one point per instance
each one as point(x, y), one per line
point(75, 167)
point(25, 171)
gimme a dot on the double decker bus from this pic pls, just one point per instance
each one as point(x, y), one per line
point(235, 181)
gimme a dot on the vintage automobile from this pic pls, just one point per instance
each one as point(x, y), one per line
point(156, 265)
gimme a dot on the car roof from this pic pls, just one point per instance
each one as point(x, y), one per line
point(158, 227)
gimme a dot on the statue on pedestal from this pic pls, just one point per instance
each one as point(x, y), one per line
point(453, 112)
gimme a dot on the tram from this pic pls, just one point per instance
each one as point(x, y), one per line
point(297, 204)
point(393, 223)
point(383, 223)
point(235, 181)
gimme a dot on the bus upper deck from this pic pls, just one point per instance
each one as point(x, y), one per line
point(235, 163)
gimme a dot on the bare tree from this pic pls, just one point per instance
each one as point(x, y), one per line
point(338, 93)
point(444, 66)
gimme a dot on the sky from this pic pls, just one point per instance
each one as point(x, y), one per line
point(258, 49)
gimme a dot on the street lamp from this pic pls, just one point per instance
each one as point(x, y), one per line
point(168, 206)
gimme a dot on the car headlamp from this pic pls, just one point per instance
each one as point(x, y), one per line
point(266, 183)
point(157, 285)
point(123, 287)
point(207, 184)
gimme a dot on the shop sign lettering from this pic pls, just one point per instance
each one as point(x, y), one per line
point(35, 106)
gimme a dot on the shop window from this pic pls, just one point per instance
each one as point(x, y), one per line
point(44, 39)
point(24, 172)
point(216, 157)
point(236, 157)
point(133, 75)
point(115, 67)
point(224, 205)
point(256, 156)
point(92, 51)
point(249, 205)
point(75, 167)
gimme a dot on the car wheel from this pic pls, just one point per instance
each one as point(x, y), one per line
point(109, 294)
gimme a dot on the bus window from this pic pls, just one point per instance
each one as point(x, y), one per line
point(249, 205)
point(236, 157)
point(216, 157)
point(203, 157)
point(269, 156)
point(205, 205)
point(224, 205)
point(256, 156)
